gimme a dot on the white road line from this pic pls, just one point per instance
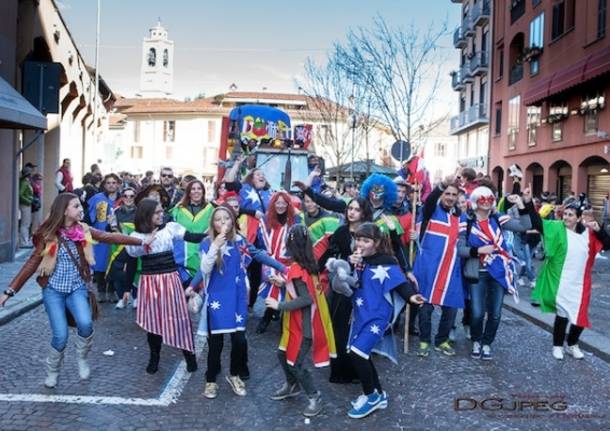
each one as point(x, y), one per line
point(169, 395)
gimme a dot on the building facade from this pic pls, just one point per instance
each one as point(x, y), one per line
point(33, 32)
point(550, 81)
point(157, 70)
point(471, 126)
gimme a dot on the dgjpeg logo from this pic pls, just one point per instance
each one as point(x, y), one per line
point(513, 404)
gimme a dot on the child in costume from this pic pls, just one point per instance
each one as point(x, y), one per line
point(305, 324)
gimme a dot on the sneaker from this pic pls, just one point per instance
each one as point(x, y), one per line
point(134, 303)
point(467, 332)
point(445, 348)
point(452, 335)
point(424, 349)
point(314, 407)
point(120, 305)
point(239, 387)
point(286, 391)
point(365, 405)
point(521, 282)
point(575, 352)
point(486, 353)
point(384, 401)
point(475, 353)
point(211, 390)
point(558, 352)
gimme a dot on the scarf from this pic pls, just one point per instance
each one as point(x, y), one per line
point(78, 233)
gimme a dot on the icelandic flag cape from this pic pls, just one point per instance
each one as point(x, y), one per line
point(226, 292)
point(563, 285)
point(500, 264)
point(100, 206)
point(322, 335)
point(437, 266)
point(375, 308)
point(252, 199)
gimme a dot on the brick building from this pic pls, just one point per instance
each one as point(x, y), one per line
point(550, 75)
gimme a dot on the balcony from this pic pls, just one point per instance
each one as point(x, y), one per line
point(516, 73)
point(456, 80)
point(467, 28)
point(475, 115)
point(465, 73)
point(459, 41)
point(480, 13)
point(479, 64)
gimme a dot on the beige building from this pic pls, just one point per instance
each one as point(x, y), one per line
point(34, 31)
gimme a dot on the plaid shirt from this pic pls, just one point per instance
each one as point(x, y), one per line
point(66, 278)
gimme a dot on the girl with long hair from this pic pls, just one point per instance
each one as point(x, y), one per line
point(305, 323)
point(62, 258)
point(162, 309)
point(379, 276)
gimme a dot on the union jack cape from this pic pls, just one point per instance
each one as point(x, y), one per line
point(437, 266)
point(323, 339)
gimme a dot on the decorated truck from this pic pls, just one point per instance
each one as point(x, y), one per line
point(266, 136)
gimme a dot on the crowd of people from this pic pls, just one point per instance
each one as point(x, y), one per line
point(174, 250)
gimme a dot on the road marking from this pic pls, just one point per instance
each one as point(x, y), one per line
point(168, 396)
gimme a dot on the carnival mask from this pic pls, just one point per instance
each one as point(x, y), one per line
point(377, 193)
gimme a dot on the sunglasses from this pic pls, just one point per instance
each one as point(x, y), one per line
point(129, 196)
point(167, 175)
point(482, 200)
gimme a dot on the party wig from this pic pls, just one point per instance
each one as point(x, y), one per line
point(391, 191)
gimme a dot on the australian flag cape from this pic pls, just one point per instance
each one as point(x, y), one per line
point(225, 293)
point(500, 264)
point(438, 268)
point(253, 199)
point(376, 307)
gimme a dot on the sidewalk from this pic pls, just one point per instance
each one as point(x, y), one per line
point(30, 296)
point(596, 339)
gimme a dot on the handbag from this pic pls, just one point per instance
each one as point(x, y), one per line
point(470, 270)
point(86, 276)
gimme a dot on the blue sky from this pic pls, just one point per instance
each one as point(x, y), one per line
point(252, 44)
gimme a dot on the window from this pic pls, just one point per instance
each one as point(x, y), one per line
point(165, 58)
point(462, 101)
point(601, 18)
point(533, 122)
point(536, 2)
point(482, 92)
point(590, 123)
point(589, 109)
point(169, 131)
point(136, 131)
point(514, 105)
point(485, 39)
point(152, 57)
point(563, 18)
point(471, 94)
point(557, 134)
point(517, 9)
point(537, 31)
point(440, 149)
point(500, 63)
point(498, 129)
point(211, 131)
point(137, 152)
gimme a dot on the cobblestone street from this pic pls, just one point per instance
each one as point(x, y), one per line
point(423, 393)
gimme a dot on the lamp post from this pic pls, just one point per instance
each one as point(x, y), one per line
point(353, 126)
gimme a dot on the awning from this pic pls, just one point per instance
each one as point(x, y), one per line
point(16, 112)
point(578, 73)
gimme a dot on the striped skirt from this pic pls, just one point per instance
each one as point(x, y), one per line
point(162, 310)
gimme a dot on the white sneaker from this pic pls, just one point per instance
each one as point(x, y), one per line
point(134, 303)
point(575, 351)
point(521, 282)
point(120, 305)
point(558, 353)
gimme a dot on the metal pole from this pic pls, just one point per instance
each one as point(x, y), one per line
point(353, 133)
point(97, 76)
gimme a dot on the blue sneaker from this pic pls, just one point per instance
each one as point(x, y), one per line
point(384, 401)
point(365, 405)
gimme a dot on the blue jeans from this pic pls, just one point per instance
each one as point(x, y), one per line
point(444, 326)
point(524, 254)
point(56, 303)
point(485, 296)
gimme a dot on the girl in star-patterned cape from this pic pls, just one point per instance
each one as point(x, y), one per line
point(379, 277)
point(224, 259)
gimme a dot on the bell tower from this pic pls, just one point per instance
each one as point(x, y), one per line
point(157, 71)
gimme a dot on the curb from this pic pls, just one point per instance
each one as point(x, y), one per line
point(20, 310)
point(585, 339)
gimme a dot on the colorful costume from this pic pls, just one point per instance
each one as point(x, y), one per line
point(100, 206)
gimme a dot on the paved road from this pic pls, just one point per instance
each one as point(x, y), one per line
point(423, 392)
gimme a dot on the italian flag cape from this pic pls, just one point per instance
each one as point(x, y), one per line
point(321, 232)
point(323, 338)
point(564, 283)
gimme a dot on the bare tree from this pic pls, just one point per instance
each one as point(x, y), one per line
point(401, 69)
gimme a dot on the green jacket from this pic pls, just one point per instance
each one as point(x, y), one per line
point(26, 192)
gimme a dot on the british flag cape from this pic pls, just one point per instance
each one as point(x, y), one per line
point(500, 264)
point(438, 268)
point(225, 292)
point(375, 308)
point(322, 336)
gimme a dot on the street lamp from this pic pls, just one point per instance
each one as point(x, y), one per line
point(353, 126)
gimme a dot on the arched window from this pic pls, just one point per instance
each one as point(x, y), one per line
point(152, 57)
point(165, 58)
